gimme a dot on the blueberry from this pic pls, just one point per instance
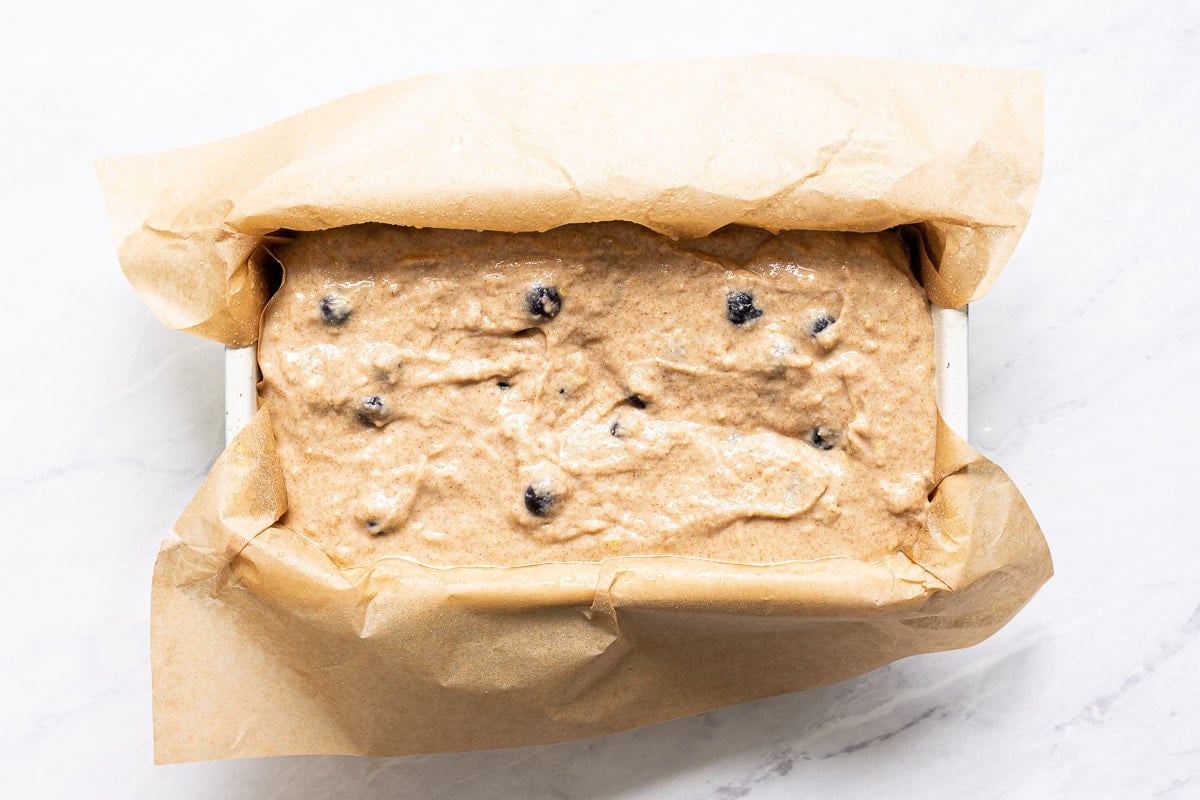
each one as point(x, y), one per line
point(739, 308)
point(821, 323)
point(373, 527)
point(503, 385)
point(374, 411)
point(335, 309)
point(543, 302)
point(615, 428)
point(538, 500)
point(824, 438)
point(636, 401)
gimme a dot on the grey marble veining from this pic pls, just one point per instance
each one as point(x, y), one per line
point(1085, 385)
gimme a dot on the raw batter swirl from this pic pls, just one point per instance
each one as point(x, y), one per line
point(599, 390)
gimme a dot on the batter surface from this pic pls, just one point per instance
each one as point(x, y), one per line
point(599, 390)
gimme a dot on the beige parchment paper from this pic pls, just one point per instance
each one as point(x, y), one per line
point(261, 646)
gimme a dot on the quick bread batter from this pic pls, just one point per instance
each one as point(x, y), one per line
point(599, 390)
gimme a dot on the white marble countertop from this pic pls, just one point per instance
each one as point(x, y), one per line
point(1085, 388)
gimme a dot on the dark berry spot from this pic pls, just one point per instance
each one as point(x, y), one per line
point(503, 385)
point(562, 391)
point(636, 401)
point(821, 323)
point(335, 309)
point(615, 428)
point(538, 501)
point(373, 527)
point(740, 309)
point(374, 411)
point(824, 438)
point(543, 302)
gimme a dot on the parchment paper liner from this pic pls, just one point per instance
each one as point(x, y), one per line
point(261, 646)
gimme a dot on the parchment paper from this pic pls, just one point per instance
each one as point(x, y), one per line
point(261, 646)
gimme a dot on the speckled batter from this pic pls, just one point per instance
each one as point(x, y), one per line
point(598, 390)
